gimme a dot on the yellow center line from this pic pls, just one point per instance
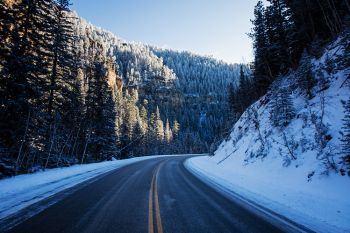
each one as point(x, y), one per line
point(150, 208)
point(153, 193)
point(158, 218)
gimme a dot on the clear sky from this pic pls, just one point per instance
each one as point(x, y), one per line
point(207, 27)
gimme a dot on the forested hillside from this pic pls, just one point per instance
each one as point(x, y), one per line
point(74, 93)
point(289, 127)
point(205, 84)
point(298, 54)
point(142, 86)
point(289, 149)
point(300, 79)
point(190, 91)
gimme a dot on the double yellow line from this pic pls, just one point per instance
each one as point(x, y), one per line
point(153, 196)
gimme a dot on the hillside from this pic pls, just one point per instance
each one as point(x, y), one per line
point(204, 83)
point(293, 164)
point(76, 93)
point(186, 87)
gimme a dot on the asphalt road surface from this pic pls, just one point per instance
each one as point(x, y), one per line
point(157, 195)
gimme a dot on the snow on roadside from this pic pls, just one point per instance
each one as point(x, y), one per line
point(256, 160)
point(21, 191)
point(318, 205)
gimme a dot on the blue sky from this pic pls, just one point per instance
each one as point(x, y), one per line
point(206, 27)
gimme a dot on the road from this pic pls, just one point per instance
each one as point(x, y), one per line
point(156, 195)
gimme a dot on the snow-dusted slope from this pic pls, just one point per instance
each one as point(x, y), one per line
point(188, 88)
point(136, 63)
point(293, 170)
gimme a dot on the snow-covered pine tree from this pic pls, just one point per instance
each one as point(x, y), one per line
point(136, 145)
point(108, 127)
point(151, 137)
point(131, 114)
point(305, 80)
point(176, 129)
point(144, 119)
point(345, 140)
point(281, 108)
point(168, 135)
point(159, 127)
point(61, 57)
point(100, 115)
point(24, 70)
point(63, 85)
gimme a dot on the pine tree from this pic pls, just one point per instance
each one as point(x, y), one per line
point(345, 140)
point(159, 127)
point(176, 129)
point(144, 119)
point(281, 108)
point(263, 75)
point(109, 146)
point(6, 22)
point(168, 135)
point(23, 77)
point(280, 23)
point(131, 114)
point(306, 80)
point(63, 90)
point(100, 133)
point(61, 68)
point(242, 91)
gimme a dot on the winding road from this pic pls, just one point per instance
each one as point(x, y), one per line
point(155, 196)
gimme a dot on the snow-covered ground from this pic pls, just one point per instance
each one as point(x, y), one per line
point(322, 205)
point(21, 191)
point(257, 162)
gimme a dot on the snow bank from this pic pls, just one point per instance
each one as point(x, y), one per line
point(21, 191)
point(257, 160)
point(322, 205)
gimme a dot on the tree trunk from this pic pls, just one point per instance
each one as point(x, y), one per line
point(75, 140)
point(52, 85)
point(60, 155)
point(22, 143)
point(85, 147)
point(51, 145)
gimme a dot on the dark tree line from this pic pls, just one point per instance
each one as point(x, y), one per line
point(240, 96)
point(48, 117)
point(284, 33)
point(284, 29)
point(60, 101)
